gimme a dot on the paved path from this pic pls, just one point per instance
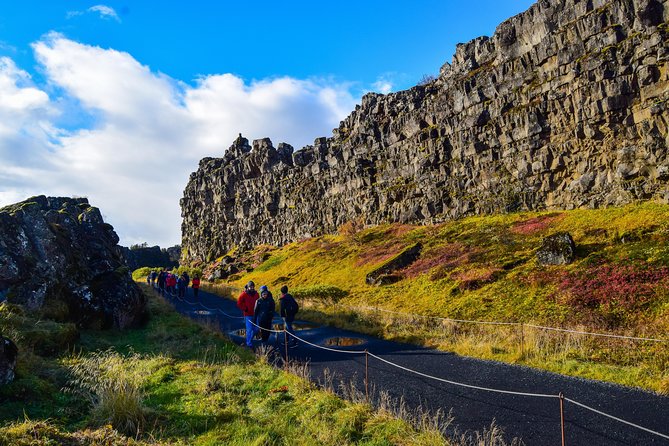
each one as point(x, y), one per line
point(535, 420)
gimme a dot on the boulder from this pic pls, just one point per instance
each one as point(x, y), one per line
point(557, 249)
point(8, 355)
point(382, 275)
point(59, 249)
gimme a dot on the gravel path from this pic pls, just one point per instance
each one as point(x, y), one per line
point(534, 420)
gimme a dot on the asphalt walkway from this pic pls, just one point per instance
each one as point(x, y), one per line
point(535, 420)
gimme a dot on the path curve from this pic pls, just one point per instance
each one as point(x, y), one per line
point(535, 420)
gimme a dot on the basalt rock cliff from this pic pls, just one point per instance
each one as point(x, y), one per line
point(58, 257)
point(564, 106)
point(152, 256)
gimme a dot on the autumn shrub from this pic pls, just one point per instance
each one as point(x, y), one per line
point(613, 289)
point(351, 229)
point(474, 278)
point(536, 224)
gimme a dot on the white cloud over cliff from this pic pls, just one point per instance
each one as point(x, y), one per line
point(109, 128)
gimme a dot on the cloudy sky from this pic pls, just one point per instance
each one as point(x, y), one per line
point(119, 101)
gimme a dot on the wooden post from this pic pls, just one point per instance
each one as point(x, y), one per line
point(285, 343)
point(562, 417)
point(367, 375)
point(522, 339)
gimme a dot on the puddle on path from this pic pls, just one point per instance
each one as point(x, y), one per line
point(203, 313)
point(343, 342)
point(296, 326)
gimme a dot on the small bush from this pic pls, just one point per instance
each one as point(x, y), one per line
point(140, 273)
point(112, 389)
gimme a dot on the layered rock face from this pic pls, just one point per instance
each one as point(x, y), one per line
point(565, 106)
point(59, 256)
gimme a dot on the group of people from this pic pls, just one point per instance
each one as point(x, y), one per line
point(173, 283)
point(259, 308)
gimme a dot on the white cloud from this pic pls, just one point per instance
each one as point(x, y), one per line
point(105, 12)
point(383, 86)
point(149, 131)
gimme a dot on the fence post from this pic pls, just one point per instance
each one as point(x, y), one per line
point(522, 339)
point(367, 375)
point(562, 417)
point(285, 343)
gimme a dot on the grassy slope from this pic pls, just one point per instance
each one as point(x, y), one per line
point(484, 268)
point(194, 387)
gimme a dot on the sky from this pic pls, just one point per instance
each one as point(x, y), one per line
point(118, 101)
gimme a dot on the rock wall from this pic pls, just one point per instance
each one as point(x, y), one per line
point(137, 257)
point(564, 107)
point(58, 256)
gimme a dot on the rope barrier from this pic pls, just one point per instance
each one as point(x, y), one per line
point(565, 330)
point(266, 329)
point(616, 418)
point(437, 317)
point(470, 386)
point(356, 352)
point(518, 324)
point(229, 315)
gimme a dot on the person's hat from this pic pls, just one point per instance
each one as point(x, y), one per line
point(263, 289)
point(251, 283)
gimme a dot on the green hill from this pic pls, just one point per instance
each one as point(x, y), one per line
point(485, 269)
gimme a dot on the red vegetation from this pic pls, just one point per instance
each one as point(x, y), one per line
point(613, 287)
point(381, 253)
point(444, 259)
point(536, 224)
point(475, 278)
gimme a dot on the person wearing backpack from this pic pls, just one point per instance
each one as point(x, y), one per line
point(264, 313)
point(289, 309)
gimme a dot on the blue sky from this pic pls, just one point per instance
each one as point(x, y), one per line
point(118, 101)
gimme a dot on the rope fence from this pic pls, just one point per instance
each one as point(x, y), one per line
point(517, 324)
point(368, 354)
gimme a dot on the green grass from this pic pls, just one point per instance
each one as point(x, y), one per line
point(177, 382)
point(484, 268)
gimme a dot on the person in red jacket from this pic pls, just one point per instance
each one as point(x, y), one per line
point(195, 284)
point(246, 302)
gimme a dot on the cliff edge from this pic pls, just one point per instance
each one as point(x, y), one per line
point(564, 107)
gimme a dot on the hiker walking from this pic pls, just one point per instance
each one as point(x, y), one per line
point(289, 309)
point(182, 284)
point(196, 285)
point(246, 302)
point(162, 279)
point(264, 313)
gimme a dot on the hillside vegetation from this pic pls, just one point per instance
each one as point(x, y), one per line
point(484, 269)
point(175, 382)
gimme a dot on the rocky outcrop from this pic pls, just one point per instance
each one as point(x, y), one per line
point(383, 274)
point(565, 106)
point(152, 256)
point(59, 253)
point(8, 355)
point(557, 249)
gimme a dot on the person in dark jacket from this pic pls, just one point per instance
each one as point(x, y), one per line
point(289, 309)
point(264, 313)
point(246, 302)
point(162, 279)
